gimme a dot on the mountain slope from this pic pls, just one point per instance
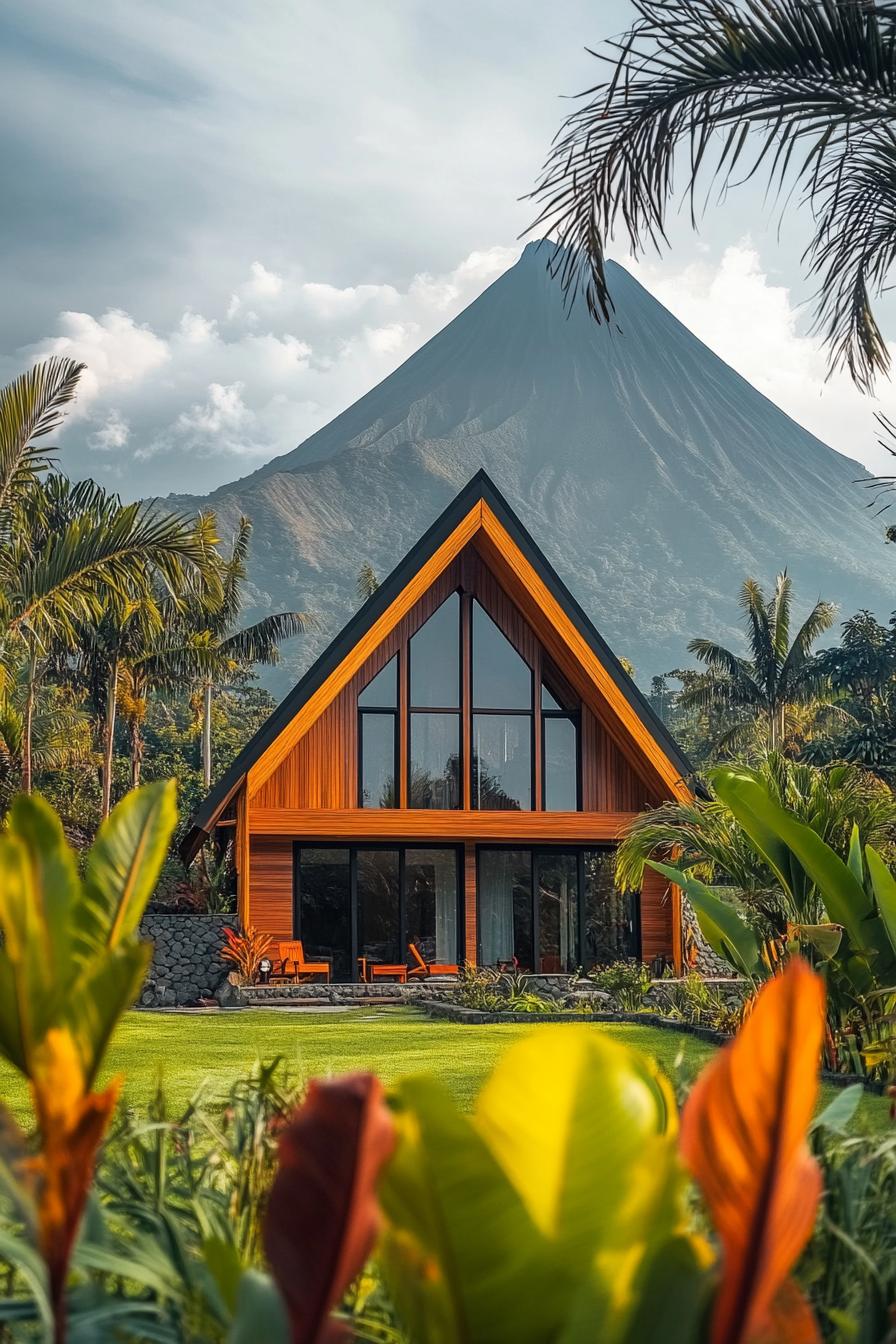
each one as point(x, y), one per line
point(653, 476)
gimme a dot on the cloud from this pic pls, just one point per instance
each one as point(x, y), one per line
point(213, 395)
point(755, 325)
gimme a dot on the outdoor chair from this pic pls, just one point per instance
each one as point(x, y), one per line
point(425, 968)
point(294, 952)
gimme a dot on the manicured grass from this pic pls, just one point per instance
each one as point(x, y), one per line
point(189, 1050)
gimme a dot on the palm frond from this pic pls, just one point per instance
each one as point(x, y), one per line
point(783, 87)
point(259, 643)
point(720, 659)
point(796, 664)
point(31, 407)
point(759, 614)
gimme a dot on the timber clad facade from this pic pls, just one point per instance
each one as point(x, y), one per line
point(453, 773)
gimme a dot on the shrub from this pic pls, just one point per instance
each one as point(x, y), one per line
point(246, 950)
point(627, 983)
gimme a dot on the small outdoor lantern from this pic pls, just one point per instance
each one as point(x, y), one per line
point(265, 966)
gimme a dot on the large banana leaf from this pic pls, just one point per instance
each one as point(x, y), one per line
point(536, 1218)
point(729, 936)
point(124, 863)
point(845, 900)
point(883, 885)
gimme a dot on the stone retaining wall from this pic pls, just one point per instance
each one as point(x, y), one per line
point(186, 960)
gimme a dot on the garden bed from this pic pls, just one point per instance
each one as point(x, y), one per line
point(477, 1017)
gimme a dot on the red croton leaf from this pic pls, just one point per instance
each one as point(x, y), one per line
point(322, 1217)
point(744, 1139)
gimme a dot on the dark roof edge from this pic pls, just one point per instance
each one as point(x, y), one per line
point(480, 487)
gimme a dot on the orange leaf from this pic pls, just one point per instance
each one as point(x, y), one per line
point(71, 1124)
point(743, 1137)
point(790, 1321)
point(322, 1217)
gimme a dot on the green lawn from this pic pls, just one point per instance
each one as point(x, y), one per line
point(187, 1050)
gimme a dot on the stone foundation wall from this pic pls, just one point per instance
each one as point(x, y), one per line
point(708, 964)
point(186, 963)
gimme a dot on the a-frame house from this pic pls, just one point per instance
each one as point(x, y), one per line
point(453, 773)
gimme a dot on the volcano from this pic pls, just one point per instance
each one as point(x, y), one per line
point(654, 476)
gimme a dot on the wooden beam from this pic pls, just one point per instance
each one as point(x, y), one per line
point(241, 848)
point(377, 824)
point(267, 763)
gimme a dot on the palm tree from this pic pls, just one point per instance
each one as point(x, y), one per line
point(233, 651)
point(68, 551)
point(367, 582)
point(804, 92)
point(781, 678)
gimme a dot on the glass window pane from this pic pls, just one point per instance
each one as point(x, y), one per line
point(505, 908)
point(502, 762)
point(378, 733)
point(610, 915)
point(430, 877)
point(501, 679)
point(435, 761)
point(382, 691)
point(557, 876)
point(379, 935)
point(548, 701)
point(435, 658)
point(325, 908)
point(561, 766)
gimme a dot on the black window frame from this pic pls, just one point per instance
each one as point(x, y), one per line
point(474, 711)
point(457, 710)
point(559, 848)
point(575, 718)
point(396, 737)
point(353, 846)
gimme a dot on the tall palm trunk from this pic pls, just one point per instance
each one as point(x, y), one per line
point(109, 737)
point(207, 734)
point(28, 731)
point(137, 745)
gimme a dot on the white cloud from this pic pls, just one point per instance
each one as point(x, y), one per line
point(754, 324)
point(112, 434)
point(263, 284)
point(221, 391)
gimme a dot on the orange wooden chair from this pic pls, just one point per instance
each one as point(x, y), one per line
point(426, 968)
point(294, 952)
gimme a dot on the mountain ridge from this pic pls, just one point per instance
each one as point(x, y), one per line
point(652, 474)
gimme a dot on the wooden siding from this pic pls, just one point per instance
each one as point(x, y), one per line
point(416, 824)
point(471, 932)
point(657, 918)
point(271, 859)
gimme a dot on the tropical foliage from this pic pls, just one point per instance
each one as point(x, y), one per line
point(841, 916)
point(559, 1206)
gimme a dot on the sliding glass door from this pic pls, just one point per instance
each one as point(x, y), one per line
point(363, 905)
point(552, 910)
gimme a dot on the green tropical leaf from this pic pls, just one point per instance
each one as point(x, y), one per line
point(260, 1313)
point(839, 1113)
point(107, 987)
point(125, 861)
point(883, 885)
point(729, 936)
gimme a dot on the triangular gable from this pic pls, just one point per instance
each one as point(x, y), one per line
point(478, 513)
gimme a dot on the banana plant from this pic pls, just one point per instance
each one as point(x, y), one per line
point(71, 963)
point(859, 895)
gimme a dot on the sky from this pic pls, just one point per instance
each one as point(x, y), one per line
point(242, 216)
